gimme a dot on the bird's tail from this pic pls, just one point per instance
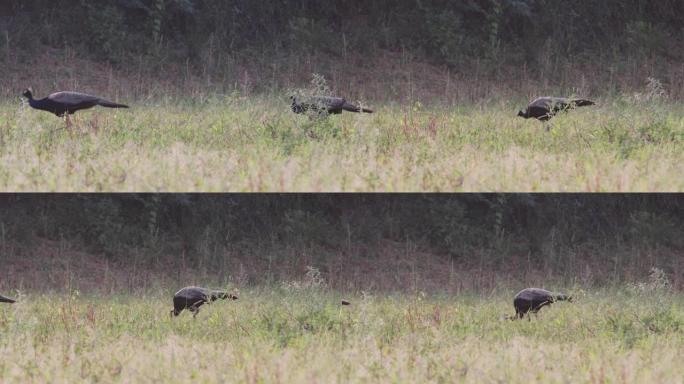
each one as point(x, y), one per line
point(111, 104)
point(6, 300)
point(582, 102)
point(353, 108)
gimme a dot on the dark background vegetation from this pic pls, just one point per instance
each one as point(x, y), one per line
point(356, 241)
point(400, 49)
point(582, 45)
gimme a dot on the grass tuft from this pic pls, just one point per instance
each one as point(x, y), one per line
point(300, 334)
point(257, 144)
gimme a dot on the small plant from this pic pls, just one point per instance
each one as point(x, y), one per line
point(657, 283)
point(313, 280)
point(318, 86)
point(316, 107)
point(318, 126)
point(655, 91)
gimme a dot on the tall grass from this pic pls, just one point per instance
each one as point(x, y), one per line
point(299, 333)
point(255, 144)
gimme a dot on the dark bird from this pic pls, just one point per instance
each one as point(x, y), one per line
point(533, 299)
point(64, 104)
point(4, 299)
point(345, 302)
point(331, 105)
point(191, 298)
point(544, 108)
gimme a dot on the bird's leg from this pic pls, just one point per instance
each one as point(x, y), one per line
point(67, 119)
point(195, 310)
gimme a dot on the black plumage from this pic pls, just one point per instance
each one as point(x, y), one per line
point(533, 299)
point(191, 298)
point(64, 104)
point(328, 104)
point(4, 299)
point(545, 108)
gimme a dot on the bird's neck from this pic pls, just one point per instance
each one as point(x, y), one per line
point(36, 103)
point(42, 104)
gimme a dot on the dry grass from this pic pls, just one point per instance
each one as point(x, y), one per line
point(256, 144)
point(407, 267)
point(299, 333)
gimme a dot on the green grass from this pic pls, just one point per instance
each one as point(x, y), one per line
point(256, 144)
point(294, 335)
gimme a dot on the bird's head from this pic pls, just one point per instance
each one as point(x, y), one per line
point(226, 295)
point(297, 107)
point(522, 113)
point(563, 297)
point(174, 312)
point(28, 93)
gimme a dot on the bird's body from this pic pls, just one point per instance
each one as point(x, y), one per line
point(67, 103)
point(4, 299)
point(545, 108)
point(63, 104)
point(327, 104)
point(191, 298)
point(533, 299)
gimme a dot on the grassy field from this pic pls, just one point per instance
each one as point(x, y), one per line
point(292, 334)
point(234, 143)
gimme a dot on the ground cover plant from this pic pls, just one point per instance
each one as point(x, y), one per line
point(209, 82)
point(430, 280)
point(255, 143)
point(300, 333)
